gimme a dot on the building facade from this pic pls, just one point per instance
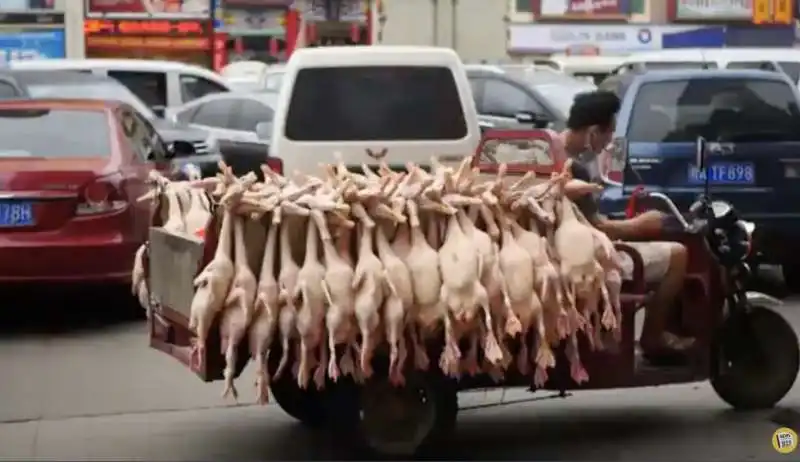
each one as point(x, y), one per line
point(39, 29)
point(495, 29)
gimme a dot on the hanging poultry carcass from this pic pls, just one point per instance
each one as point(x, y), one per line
point(490, 278)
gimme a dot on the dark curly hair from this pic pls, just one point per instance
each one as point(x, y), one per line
point(593, 108)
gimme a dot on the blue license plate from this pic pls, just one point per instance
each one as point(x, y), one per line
point(742, 173)
point(15, 214)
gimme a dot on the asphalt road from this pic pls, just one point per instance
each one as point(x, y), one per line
point(81, 384)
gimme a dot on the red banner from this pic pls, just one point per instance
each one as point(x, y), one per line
point(149, 8)
point(581, 9)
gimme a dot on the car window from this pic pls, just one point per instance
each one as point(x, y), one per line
point(215, 113)
point(8, 91)
point(193, 87)
point(54, 133)
point(792, 69)
point(187, 115)
point(561, 97)
point(144, 140)
point(150, 87)
point(477, 93)
point(501, 98)
point(108, 90)
point(375, 103)
point(732, 109)
point(250, 114)
point(668, 65)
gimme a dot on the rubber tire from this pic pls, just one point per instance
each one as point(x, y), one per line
point(307, 406)
point(791, 276)
point(446, 402)
point(759, 392)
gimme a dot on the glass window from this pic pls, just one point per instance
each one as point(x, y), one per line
point(187, 114)
point(144, 140)
point(729, 109)
point(792, 69)
point(523, 6)
point(561, 97)
point(97, 90)
point(54, 133)
point(193, 87)
point(216, 113)
point(661, 65)
point(250, 114)
point(8, 91)
point(501, 98)
point(150, 87)
point(375, 103)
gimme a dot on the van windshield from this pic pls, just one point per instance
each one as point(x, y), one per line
point(380, 103)
point(729, 109)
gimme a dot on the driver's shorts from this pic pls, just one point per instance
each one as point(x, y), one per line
point(655, 255)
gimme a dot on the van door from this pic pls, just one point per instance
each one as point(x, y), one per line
point(751, 125)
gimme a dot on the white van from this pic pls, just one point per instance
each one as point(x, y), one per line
point(777, 59)
point(591, 68)
point(160, 84)
point(371, 104)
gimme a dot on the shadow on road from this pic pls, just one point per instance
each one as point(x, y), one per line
point(521, 434)
point(44, 309)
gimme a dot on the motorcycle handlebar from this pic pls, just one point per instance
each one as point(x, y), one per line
point(672, 208)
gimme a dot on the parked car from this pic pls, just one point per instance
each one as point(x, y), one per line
point(10, 87)
point(204, 150)
point(749, 119)
point(500, 99)
point(240, 122)
point(71, 171)
point(254, 76)
point(160, 84)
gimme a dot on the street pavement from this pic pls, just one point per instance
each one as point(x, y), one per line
point(86, 386)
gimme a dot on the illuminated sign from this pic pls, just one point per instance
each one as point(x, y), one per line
point(181, 43)
point(161, 27)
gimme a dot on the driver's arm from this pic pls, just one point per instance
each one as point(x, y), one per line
point(648, 225)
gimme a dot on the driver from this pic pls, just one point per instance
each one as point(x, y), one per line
point(591, 123)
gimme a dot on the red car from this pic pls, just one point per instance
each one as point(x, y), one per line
point(70, 174)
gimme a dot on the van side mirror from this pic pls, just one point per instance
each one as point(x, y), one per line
point(700, 149)
point(264, 130)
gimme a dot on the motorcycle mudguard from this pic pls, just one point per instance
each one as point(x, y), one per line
point(761, 299)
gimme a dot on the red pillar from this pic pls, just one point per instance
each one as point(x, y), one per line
point(292, 26)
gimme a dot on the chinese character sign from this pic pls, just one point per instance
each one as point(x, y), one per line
point(584, 9)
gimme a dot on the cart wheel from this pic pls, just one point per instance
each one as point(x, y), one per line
point(307, 406)
point(791, 276)
point(399, 422)
point(755, 364)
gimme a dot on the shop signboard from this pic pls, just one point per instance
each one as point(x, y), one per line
point(162, 9)
point(151, 33)
point(26, 5)
point(584, 10)
point(31, 45)
point(711, 10)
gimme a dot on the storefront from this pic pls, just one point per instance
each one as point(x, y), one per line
point(744, 23)
point(31, 35)
point(253, 29)
point(148, 29)
point(332, 22)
